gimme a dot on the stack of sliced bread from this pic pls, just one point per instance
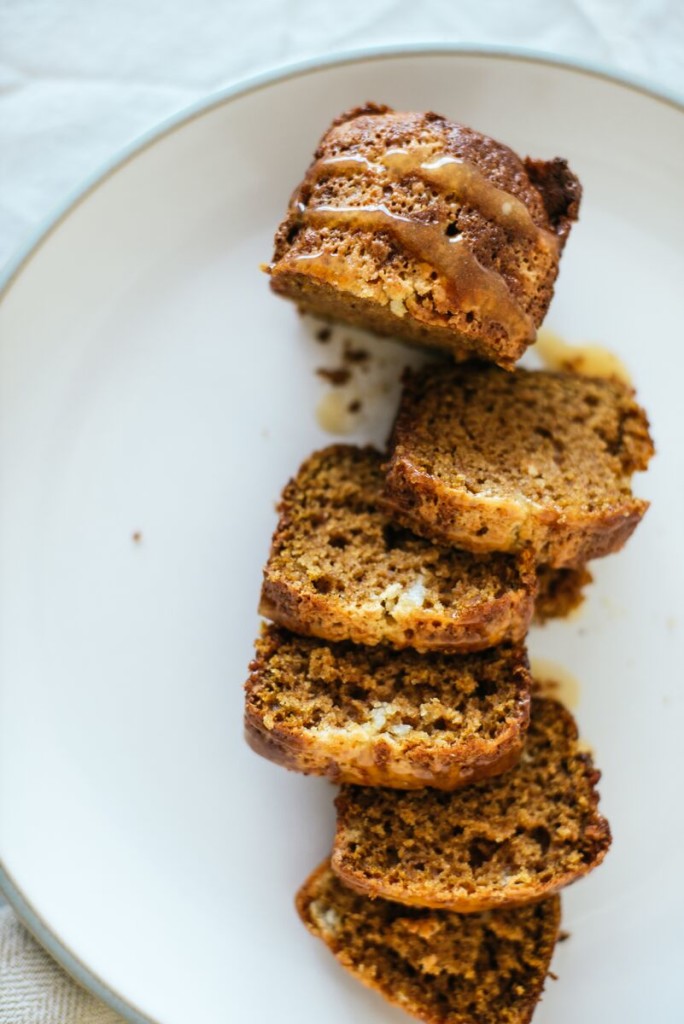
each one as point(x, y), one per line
point(401, 584)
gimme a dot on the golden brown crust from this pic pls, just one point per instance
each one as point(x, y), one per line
point(378, 268)
point(492, 623)
point(561, 592)
point(473, 903)
point(560, 190)
point(385, 767)
point(562, 538)
point(440, 967)
point(501, 843)
point(448, 508)
point(329, 302)
point(340, 570)
point(365, 716)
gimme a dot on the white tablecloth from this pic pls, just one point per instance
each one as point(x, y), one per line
point(79, 79)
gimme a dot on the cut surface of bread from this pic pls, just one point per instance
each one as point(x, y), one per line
point(340, 569)
point(441, 967)
point(560, 592)
point(494, 461)
point(502, 842)
point(417, 227)
point(380, 717)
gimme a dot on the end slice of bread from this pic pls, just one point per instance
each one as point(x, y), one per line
point(379, 717)
point(441, 967)
point(420, 228)
point(503, 842)
point(560, 592)
point(340, 569)
point(493, 461)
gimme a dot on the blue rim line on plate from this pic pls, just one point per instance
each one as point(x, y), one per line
point(12, 893)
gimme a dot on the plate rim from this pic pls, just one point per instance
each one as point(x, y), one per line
point(25, 911)
point(281, 72)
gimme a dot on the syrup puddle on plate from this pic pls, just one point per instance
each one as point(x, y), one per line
point(589, 360)
point(553, 680)
point(337, 413)
point(362, 374)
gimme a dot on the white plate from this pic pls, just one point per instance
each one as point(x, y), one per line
point(150, 382)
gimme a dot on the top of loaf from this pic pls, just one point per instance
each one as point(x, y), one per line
point(549, 190)
point(415, 225)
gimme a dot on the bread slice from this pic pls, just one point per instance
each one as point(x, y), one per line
point(341, 570)
point(417, 227)
point(442, 968)
point(492, 461)
point(560, 592)
point(502, 842)
point(379, 717)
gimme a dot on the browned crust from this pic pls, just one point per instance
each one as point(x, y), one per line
point(376, 760)
point(387, 768)
point(308, 893)
point(336, 304)
point(368, 108)
point(473, 903)
point(495, 620)
point(549, 190)
point(597, 831)
point(561, 191)
point(560, 592)
point(506, 618)
point(560, 538)
point(274, 746)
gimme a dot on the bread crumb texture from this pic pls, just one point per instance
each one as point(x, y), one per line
point(488, 460)
point(340, 569)
point(501, 842)
point(486, 968)
point(377, 716)
point(414, 226)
